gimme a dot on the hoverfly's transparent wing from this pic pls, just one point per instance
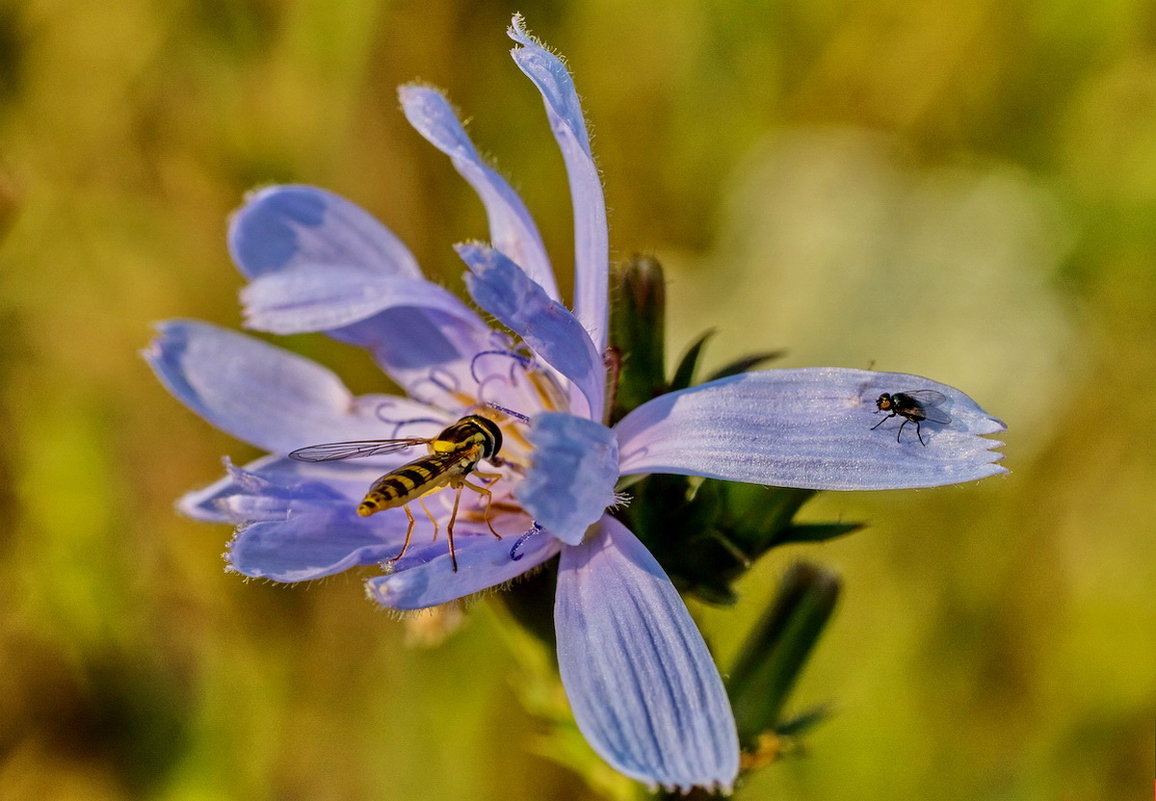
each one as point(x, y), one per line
point(357, 449)
point(929, 401)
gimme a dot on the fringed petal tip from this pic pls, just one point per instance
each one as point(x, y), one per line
point(517, 31)
point(425, 576)
point(313, 544)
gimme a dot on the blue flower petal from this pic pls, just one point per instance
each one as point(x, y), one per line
point(412, 344)
point(271, 486)
point(644, 688)
point(591, 246)
point(512, 230)
point(264, 395)
point(299, 230)
point(504, 290)
point(808, 428)
point(308, 545)
point(425, 577)
point(305, 299)
point(282, 227)
point(571, 479)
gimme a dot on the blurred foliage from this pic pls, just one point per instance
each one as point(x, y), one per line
point(961, 189)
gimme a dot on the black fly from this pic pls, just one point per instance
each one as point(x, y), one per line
point(913, 406)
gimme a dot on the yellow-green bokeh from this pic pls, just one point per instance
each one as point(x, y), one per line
point(961, 189)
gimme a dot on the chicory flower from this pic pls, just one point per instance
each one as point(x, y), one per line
point(641, 681)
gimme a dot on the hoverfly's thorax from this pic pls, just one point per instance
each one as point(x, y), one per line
point(470, 432)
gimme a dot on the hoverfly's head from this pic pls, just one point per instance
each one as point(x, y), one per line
point(493, 440)
point(885, 402)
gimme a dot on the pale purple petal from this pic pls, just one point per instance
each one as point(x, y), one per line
point(808, 428)
point(504, 290)
point(311, 544)
point(512, 230)
point(315, 238)
point(267, 487)
point(643, 686)
point(282, 227)
point(425, 577)
point(591, 246)
point(305, 299)
point(414, 345)
point(571, 479)
point(264, 395)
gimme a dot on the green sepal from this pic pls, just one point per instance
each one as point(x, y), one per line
point(688, 364)
point(745, 364)
point(815, 532)
point(707, 533)
point(674, 517)
point(803, 722)
point(777, 648)
point(638, 333)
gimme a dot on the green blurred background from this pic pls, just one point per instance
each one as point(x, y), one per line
point(962, 188)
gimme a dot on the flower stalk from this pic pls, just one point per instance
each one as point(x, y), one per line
point(776, 650)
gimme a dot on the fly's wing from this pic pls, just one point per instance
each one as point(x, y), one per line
point(930, 401)
point(357, 449)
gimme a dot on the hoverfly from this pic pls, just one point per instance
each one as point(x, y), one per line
point(453, 456)
point(913, 406)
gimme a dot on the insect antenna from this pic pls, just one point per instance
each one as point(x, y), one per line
point(509, 412)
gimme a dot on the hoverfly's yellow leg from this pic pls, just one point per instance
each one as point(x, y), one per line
point(450, 527)
point(432, 519)
point(408, 534)
point(489, 496)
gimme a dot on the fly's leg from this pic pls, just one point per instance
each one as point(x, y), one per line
point(408, 534)
point(432, 519)
point(884, 420)
point(450, 527)
point(489, 495)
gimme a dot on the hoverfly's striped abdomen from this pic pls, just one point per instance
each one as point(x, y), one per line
point(411, 481)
